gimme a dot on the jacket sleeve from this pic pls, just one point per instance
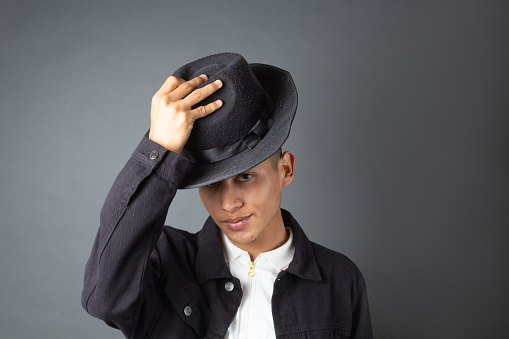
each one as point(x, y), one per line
point(119, 285)
point(361, 325)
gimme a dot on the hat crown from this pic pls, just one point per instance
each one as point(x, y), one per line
point(244, 101)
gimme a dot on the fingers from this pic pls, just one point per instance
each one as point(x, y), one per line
point(187, 87)
point(170, 84)
point(184, 94)
point(172, 116)
point(199, 94)
point(202, 111)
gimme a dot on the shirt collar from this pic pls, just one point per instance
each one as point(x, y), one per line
point(279, 258)
point(211, 264)
point(231, 252)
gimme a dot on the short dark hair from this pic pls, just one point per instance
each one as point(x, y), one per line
point(274, 158)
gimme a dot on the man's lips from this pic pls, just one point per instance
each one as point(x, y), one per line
point(236, 223)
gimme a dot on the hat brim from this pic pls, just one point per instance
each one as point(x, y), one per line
point(278, 84)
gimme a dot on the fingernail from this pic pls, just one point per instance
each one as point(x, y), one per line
point(219, 102)
point(218, 83)
point(203, 76)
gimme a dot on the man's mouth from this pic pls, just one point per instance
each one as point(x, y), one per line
point(236, 223)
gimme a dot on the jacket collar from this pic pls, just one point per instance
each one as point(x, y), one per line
point(210, 262)
point(304, 263)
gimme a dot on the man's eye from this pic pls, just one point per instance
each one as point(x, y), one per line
point(214, 184)
point(245, 177)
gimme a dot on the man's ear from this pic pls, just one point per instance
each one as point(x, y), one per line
point(286, 168)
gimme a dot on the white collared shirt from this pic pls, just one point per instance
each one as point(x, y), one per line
point(254, 316)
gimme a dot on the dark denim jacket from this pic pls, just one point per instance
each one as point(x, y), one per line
point(152, 281)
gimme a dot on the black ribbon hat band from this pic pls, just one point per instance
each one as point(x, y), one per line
point(249, 141)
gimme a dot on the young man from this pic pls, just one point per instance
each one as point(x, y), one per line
point(251, 272)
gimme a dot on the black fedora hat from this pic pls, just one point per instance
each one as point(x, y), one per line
point(259, 104)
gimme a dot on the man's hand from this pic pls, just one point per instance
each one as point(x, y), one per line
point(171, 116)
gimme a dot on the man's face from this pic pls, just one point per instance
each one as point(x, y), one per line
point(246, 207)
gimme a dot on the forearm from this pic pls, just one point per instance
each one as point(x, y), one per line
point(131, 222)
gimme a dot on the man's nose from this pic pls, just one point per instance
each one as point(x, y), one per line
point(231, 199)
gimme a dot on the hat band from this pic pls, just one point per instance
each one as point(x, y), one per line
point(249, 141)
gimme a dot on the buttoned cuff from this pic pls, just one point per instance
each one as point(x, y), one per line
point(167, 164)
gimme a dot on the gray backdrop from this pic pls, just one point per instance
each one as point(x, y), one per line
point(400, 139)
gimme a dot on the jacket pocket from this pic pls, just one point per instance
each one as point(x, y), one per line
point(188, 303)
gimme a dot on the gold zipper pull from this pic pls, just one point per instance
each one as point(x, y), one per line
point(251, 272)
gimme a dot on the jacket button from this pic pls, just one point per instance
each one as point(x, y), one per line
point(229, 286)
point(153, 155)
point(188, 310)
